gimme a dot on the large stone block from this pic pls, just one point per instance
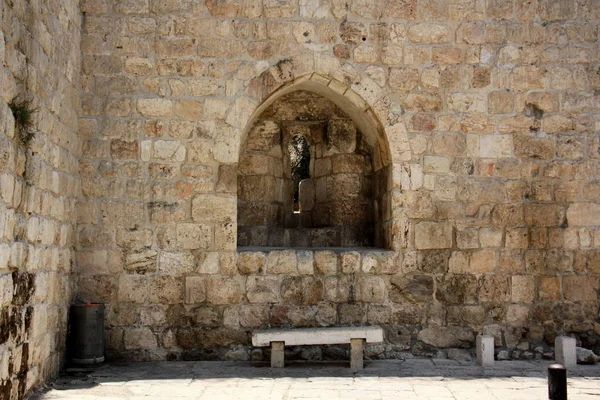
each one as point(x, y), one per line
point(350, 262)
point(341, 133)
point(176, 263)
point(370, 289)
point(404, 78)
point(194, 236)
point(207, 262)
point(134, 239)
point(411, 289)
point(544, 214)
point(447, 336)
point(207, 317)
point(126, 214)
point(282, 262)
point(302, 290)
point(580, 288)
point(494, 288)
point(433, 235)
point(166, 290)
point(223, 290)
point(306, 262)
point(326, 262)
point(380, 262)
point(251, 262)
point(549, 288)
point(482, 261)
point(155, 107)
point(195, 289)
point(139, 338)
point(263, 289)
point(522, 289)
point(429, 33)
point(338, 289)
point(456, 289)
point(214, 208)
point(133, 288)
point(583, 214)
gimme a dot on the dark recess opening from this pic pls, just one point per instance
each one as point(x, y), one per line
point(299, 163)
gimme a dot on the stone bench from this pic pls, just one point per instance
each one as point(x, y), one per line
point(355, 336)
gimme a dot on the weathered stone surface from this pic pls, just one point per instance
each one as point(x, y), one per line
point(194, 236)
point(370, 289)
point(580, 288)
point(213, 208)
point(522, 289)
point(251, 262)
point(282, 262)
point(155, 107)
point(326, 262)
point(412, 289)
point(195, 289)
point(338, 289)
point(305, 262)
point(133, 288)
point(166, 290)
point(350, 262)
point(457, 289)
point(263, 289)
point(583, 214)
point(223, 290)
point(175, 263)
point(380, 262)
point(429, 33)
point(586, 356)
point(139, 338)
point(447, 336)
point(302, 290)
point(494, 289)
point(433, 235)
point(207, 262)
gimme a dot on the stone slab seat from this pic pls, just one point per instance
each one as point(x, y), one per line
point(355, 336)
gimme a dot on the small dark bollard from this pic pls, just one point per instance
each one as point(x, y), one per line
point(557, 382)
point(86, 334)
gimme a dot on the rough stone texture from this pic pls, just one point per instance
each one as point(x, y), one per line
point(334, 204)
point(462, 137)
point(40, 61)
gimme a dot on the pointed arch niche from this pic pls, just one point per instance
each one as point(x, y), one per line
point(313, 171)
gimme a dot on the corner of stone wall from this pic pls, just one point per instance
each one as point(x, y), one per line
point(39, 186)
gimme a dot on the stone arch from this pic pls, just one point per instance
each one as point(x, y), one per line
point(362, 100)
point(342, 95)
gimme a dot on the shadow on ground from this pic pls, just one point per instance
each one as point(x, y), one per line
point(122, 372)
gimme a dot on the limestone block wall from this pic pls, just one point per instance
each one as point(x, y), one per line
point(39, 184)
point(485, 114)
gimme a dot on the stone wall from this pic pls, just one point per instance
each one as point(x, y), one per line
point(39, 61)
point(485, 114)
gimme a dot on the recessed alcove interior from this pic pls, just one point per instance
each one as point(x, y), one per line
point(310, 177)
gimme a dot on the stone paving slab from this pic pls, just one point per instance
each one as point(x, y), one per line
point(412, 379)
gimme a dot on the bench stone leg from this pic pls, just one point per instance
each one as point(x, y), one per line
point(565, 351)
point(485, 350)
point(356, 354)
point(277, 354)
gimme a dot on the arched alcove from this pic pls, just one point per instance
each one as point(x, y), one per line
point(344, 202)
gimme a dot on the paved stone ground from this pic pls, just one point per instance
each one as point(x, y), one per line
point(405, 380)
